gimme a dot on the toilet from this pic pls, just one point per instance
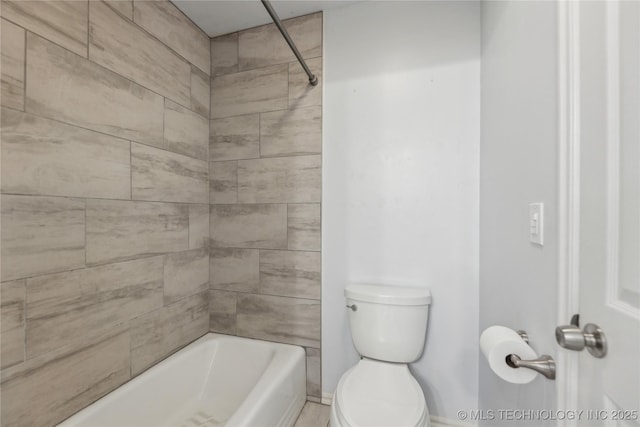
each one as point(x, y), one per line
point(388, 328)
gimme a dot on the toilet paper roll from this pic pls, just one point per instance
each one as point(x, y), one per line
point(496, 343)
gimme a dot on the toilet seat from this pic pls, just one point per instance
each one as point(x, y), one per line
point(379, 394)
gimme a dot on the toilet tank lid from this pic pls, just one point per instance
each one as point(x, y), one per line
point(387, 294)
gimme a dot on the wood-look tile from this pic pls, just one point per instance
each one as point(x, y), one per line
point(222, 312)
point(280, 180)
point(291, 132)
point(200, 91)
point(12, 309)
point(224, 55)
point(235, 138)
point(314, 415)
point(235, 269)
point(121, 46)
point(185, 132)
point(198, 226)
point(223, 178)
point(185, 274)
point(159, 175)
point(126, 109)
point(45, 390)
point(313, 372)
point(169, 25)
point(303, 222)
point(70, 308)
point(263, 46)
point(290, 273)
point(119, 230)
point(159, 333)
point(62, 22)
point(46, 157)
point(255, 91)
point(249, 226)
point(301, 93)
point(123, 7)
point(12, 59)
point(282, 319)
point(41, 235)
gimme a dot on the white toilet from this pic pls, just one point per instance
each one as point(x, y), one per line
point(388, 327)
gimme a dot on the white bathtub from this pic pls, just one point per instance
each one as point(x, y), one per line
point(218, 380)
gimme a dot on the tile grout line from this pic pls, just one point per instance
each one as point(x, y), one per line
point(260, 135)
point(188, 209)
point(278, 110)
point(260, 272)
point(88, 26)
point(235, 320)
point(237, 182)
point(258, 293)
point(24, 323)
point(164, 269)
point(209, 139)
point(238, 52)
point(189, 228)
point(277, 156)
point(131, 170)
point(287, 224)
point(24, 73)
point(262, 67)
point(85, 232)
point(164, 120)
point(288, 86)
point(105, 199)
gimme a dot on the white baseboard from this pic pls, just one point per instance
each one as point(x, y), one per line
point(326, 398)
point(446, 422)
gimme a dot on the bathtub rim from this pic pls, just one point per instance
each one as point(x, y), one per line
point(282, 350)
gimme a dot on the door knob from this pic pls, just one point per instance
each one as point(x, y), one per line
point(572, 337)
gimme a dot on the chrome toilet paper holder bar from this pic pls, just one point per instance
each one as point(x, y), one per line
point(544, 365)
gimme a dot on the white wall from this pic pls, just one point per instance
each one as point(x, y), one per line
point(400, 179)
point(518, 164)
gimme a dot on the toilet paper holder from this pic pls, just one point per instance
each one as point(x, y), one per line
point(544, 365)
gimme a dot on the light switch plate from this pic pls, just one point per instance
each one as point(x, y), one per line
point(536, 223)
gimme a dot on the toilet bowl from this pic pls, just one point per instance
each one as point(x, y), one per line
point(388, 326)
point(378, 394)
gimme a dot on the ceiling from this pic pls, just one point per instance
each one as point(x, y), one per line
point(217, 17)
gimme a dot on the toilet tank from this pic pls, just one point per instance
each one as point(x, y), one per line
point(388, 323)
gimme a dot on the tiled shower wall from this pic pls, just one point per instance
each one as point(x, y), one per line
point(265, 170)
point(105, 198)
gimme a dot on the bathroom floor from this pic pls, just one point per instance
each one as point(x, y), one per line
point(313, 415)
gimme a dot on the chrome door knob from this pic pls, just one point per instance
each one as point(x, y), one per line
point(570, 337)
point(592, 337)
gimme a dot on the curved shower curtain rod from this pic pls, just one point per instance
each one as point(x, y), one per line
point(313, 80)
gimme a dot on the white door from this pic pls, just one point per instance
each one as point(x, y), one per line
point(609, 208)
